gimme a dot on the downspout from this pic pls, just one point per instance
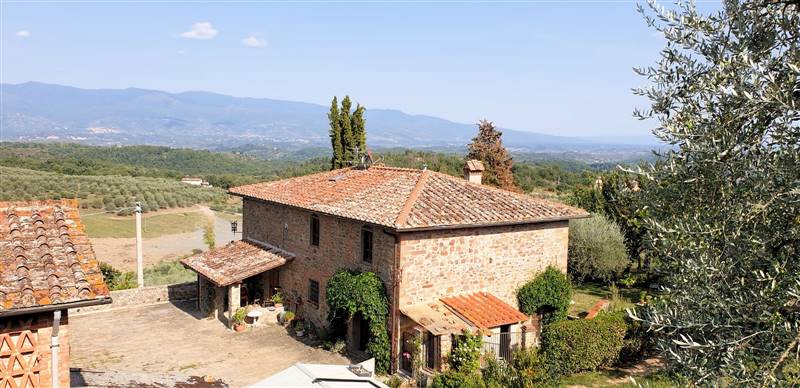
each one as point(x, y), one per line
point(395, 302)
point(54, 349)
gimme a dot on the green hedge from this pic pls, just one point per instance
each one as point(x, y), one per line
point(548, 294)
point(586, 344)
point(454, 379)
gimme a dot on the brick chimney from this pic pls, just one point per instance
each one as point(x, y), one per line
point(473, 171)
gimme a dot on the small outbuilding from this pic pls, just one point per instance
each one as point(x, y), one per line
point(47, 267)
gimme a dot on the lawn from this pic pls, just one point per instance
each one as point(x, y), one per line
point(613, 378)
point(587, 294)
point(153, 225)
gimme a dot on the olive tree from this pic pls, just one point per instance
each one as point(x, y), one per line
point(723, 206)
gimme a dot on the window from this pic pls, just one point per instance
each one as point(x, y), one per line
point(366, 245)
point(313, 291)
point(315, 231)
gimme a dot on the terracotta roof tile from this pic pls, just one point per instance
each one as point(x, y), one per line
point(46, 257)
point(237, 261)
point(436, 318)
point(407, 199)
point(484, 310)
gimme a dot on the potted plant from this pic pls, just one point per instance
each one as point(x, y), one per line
point(299, 328)
point(238, 319)
point(287, 318)
point(277, 300)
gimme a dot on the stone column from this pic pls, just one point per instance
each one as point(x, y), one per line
point(234, 298)
point(202, 295)
point(218, 303)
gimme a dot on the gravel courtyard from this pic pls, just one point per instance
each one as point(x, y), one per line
point(171, 338)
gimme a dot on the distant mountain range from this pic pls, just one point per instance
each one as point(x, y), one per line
point(35, 111)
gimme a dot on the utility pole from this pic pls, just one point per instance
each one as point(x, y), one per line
point(139, 265)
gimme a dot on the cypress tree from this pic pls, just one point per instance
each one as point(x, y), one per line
point(488, 148)
point(336, 135)
point(348, 143)
point(359, 129)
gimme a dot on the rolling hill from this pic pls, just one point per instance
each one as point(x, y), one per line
point(39, 111)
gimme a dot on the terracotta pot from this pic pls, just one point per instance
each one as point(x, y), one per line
point(278, 305)
point(239, 327)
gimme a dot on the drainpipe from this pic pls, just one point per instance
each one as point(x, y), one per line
point(395, 302)
point(54, 349)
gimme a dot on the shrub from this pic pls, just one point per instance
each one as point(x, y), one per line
point(527, 369)
point(455, 379)
point(466, 355)
point(596, 249)
point(586, 344)
point(548, 294)
point(116, 279)
point(349, 293)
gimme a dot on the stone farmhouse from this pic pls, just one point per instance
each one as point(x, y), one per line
point(451, 252)
point(47, 266)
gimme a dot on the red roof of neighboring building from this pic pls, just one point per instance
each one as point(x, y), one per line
point(407, 199)
point(484, 310)
point(236, 261)
point(46, 257)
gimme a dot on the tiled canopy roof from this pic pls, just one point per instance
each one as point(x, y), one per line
point(407, 199)
point(45, 257)
point(436, 318)
point(237, 261)
point(484, 310)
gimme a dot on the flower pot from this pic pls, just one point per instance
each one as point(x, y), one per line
point(300, 333)
point(238, 327)
point(278, 305)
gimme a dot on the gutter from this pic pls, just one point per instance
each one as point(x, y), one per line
point(393, 349)
point(491, 224)
point(54, 307)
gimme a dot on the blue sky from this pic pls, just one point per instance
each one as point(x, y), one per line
point(551, 67)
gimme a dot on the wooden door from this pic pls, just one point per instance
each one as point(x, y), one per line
point(273, 280)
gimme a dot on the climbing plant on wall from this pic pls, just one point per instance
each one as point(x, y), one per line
point(349, 293)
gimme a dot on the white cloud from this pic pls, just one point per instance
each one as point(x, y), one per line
point(181, 52)
point(254, 41)
point(23, 33)
point(200, 30)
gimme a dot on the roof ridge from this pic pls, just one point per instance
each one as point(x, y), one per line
point(402, 217)
point(521, 195)
point(391, 168)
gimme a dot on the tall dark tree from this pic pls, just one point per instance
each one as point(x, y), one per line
point(359, 129)
point(487, 147)
point(346, 124)
point(724, 207)
point(336, 135)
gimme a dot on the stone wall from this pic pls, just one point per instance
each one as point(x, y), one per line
point(339, 247)
point(497, 260)
point(144, 296)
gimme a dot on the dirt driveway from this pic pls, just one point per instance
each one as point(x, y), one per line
point(170, 338)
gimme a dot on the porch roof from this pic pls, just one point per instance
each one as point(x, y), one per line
point(484, 310)
point(237, 261)
point(436, 318)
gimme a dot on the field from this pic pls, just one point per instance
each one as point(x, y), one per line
point(104, 225)
point(110, 193)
